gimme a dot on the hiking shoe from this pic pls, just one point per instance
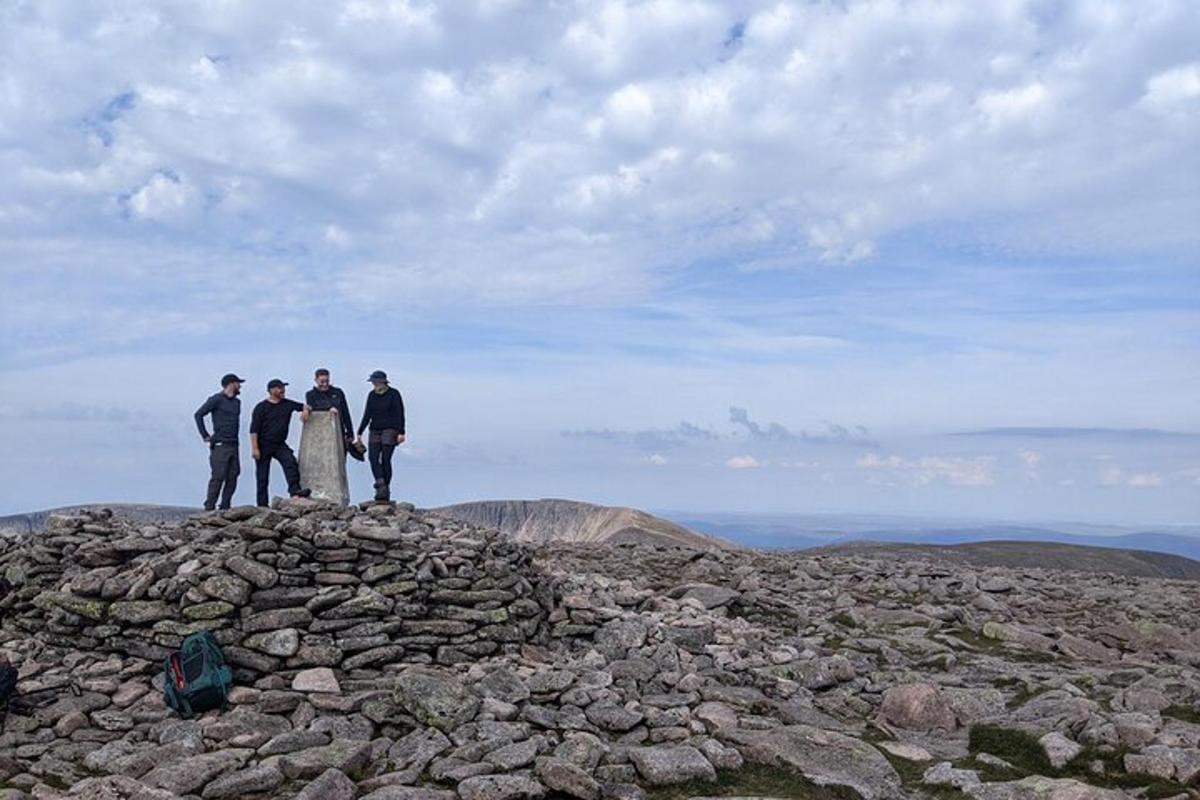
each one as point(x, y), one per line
point(303, 493)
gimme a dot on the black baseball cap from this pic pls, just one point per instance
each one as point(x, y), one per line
point(378, 375)
point(230, 378)
point(275, 382)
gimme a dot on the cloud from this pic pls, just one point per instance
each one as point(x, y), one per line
point(1113, 475)
point(774, 432)
point(743, 462)
point(954, 470)
point(649, 440)
point(455, 154)
point(1032, 459)
point(657, 459)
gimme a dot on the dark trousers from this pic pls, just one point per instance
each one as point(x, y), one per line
point(262, 469)
point(380, 446)
point(226, 466)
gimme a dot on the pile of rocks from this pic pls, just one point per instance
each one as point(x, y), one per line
point(391, 654)
point(302, 585)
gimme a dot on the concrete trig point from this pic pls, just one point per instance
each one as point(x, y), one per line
point(323, 458)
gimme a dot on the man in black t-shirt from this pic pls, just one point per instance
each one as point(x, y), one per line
point(268, 439)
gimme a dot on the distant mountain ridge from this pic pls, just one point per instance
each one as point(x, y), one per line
point(802, 531)
point(1033, 555)
point(575, 521)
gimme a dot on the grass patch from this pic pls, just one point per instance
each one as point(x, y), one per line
point(1183, 713)
point(754, 781)
point(843, 619)
point(1022, 750)
point(1017, 747)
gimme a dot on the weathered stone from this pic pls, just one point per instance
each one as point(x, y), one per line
point(435, 698)
point(229, 588)
point(323, 458)
point(332, 784)
point(319, 679)
point(194, 773)
point(824, 757)
point(567, 778)
point(666, 764)
point(917, 706)
point(249, 569)
point(500, 787)
point(261, 778)
point(280, 643)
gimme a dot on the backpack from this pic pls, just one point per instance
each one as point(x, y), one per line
point(196, 677)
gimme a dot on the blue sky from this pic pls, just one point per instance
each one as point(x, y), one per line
point(694, 255)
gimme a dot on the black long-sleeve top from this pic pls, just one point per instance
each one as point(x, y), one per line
point(384, 411)
point(333, 397)
point(226, 411)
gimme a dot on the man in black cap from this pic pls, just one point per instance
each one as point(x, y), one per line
point(384, 413)
point(268, 439)
point(226, 410)
point(324, 396)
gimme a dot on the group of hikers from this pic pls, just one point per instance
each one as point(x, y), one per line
point(382, 419)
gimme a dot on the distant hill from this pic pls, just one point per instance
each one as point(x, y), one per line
point(802, 531)
point(574, 521)
point(33, 521)
point(1028, 554)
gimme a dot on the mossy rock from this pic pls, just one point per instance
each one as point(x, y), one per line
point(210, 610)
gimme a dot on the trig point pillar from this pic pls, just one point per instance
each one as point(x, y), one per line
point(323, 458)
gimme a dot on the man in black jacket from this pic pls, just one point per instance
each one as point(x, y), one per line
point(268, 439)
point(324, 396)
point(226, 410)
point(384, 413)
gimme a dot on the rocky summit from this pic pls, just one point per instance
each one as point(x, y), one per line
point(388, 653)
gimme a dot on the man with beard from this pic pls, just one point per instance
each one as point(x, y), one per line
point(324, 396)
point(268, 440)
point(226, 410)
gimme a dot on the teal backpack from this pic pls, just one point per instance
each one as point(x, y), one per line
point(196, 677)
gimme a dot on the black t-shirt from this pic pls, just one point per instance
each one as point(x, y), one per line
point(271, 420)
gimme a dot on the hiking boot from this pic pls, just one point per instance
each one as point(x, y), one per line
point(381, 492)
point(302, 493)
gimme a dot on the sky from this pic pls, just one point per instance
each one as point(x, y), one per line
point(859, 256)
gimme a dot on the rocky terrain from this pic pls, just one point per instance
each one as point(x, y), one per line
point(570, 520)
point(386, 653)
point(34, 521)
point(1024, 554)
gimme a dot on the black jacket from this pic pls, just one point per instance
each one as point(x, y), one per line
point(383, 412)
point(333, 397)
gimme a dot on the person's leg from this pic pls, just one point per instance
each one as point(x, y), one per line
point(216, 477)
point(374, 452)
point(262, 474)
point(385, 457)
point(291, 468)
point(233, 468)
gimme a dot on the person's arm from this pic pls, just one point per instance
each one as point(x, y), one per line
point(344, 414)
point(255, 425)
point(308, 401)
point(400, 409)
point(366, 417)
point(201, 413)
